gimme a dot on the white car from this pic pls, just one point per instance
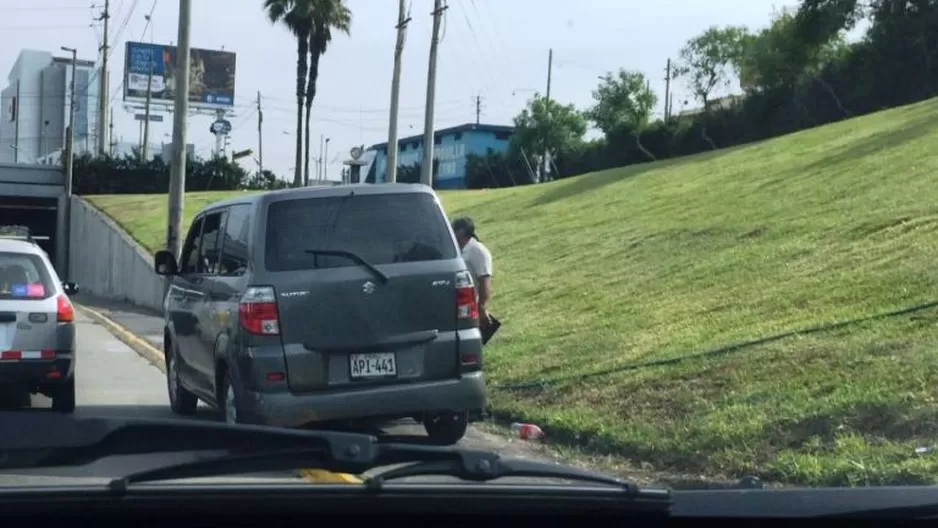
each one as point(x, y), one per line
point(37, 326)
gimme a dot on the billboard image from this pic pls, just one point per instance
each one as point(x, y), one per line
point(211, 75)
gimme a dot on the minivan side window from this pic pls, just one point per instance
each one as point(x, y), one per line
point(234, 251)
point(210, 245)
point(382, 229)
point(189, 260)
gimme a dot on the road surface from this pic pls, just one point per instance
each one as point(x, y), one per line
point(114, 380)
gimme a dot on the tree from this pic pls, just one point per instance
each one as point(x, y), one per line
point(411, 173)
point(624, 103)
point(547, 126)
point(818, 21)
point(707, 62)
point(778, 59)
point(325, 16)
point(495, 169)
point(294, 15)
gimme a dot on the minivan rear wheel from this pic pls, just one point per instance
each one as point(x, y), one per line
point(446, 428)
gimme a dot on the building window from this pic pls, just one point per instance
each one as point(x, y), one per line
point(502, 136)
point(458, 136)
point(437, 140)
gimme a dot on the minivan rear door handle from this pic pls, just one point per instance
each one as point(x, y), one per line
point(397, 341)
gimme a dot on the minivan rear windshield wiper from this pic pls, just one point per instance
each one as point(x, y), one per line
point(353, 257)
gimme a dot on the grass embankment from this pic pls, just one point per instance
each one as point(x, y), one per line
point(602, 272)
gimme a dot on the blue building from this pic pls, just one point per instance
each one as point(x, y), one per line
point(451, 145)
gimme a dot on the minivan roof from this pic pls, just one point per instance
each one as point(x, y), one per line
point(365, 189)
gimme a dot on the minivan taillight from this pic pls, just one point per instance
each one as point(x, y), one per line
point(64, 313)
point(257, 311)
point(467, 306)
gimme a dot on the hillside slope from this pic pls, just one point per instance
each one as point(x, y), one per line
point(600, 277)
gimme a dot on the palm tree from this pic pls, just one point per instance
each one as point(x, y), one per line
point(325, 16)
point(294, 14)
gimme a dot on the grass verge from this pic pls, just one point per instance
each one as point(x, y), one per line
point(605, 279)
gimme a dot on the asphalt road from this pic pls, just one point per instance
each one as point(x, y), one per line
point(113, 380)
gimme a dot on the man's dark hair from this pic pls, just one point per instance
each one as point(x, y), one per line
point(465, 225)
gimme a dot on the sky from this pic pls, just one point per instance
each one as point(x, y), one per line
point(496, 50)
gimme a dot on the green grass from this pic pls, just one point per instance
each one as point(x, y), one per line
point(665, 260)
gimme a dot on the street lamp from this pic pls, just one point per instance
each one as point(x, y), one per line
point(325, 161)
point(71, 126)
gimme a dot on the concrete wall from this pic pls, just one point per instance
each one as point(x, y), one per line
point(106, 262)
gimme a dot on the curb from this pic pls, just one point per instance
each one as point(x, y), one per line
point(139, 345)
point(155, 357)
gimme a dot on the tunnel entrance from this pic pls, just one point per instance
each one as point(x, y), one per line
point(37, 214)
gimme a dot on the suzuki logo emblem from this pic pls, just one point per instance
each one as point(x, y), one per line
point(368, 287)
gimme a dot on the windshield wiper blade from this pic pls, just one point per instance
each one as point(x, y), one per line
point(484, 466)
point(464, 464)
point(238, 464)
point(353, 257)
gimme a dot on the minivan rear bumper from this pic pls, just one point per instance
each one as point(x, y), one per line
point(286, 409)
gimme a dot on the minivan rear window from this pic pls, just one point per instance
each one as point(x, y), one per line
point(24, 277)
point(381, 229)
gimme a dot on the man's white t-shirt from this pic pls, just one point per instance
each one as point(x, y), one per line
point(478, 260)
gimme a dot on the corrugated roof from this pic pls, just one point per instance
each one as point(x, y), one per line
point(448, 131)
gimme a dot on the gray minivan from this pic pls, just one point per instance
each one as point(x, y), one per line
point(318, 304)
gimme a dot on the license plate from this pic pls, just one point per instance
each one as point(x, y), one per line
point(381, 365)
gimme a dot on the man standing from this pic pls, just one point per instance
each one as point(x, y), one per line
point(479, 261)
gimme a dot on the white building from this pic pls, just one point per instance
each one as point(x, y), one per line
point(36, 106)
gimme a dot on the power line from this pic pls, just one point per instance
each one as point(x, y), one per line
point(72, 7)
point(42, 28)
point(133, 6)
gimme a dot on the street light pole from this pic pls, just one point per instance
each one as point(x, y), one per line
point(65, 217)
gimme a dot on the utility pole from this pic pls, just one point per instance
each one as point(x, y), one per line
point(110, 130)
point(426, 168)
point(550, 68)
point(260, 136)
point(402, 21)
point(146, 114)
point(478, 108)
point(667, 91)
point(102, 82)
point(177, 174)
point(71, 127)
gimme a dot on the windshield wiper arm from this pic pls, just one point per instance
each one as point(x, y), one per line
point(353, 257)
point(33, 440)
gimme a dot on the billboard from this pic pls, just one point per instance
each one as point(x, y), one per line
point(211, 75)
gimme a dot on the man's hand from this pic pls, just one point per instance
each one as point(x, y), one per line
point(485, 319)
